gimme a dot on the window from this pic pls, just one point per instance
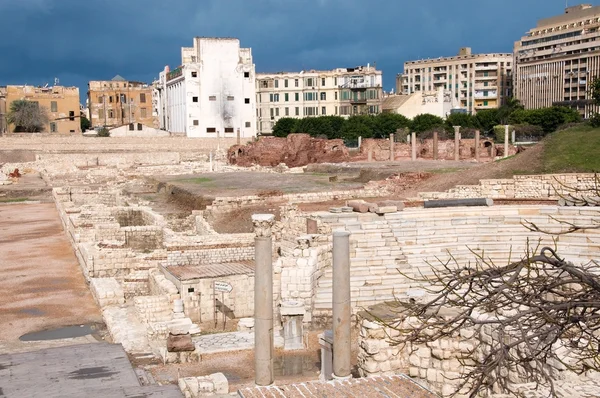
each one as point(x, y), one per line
point(194, 74)
point(131, 127)
point(336, 95)
point(264, 84)
point(344, 110)
point(311, 111)
point(195, 122)
point(246, 100)
point(309, 81)
point(53, 106)
point(53, 127)
point(276, 83)
point(248, 124)
point(229, 129)
point(272, 113)
point(194, 99)
point(100, 98)
point(71, 115)
point(285, 83)
point(246, 74)
point(485, 84)
point(295, 82)
point(322, 82)
point(143, 98)
point(287, 111)
point(323, 110)
point(276, 111)
point(230, 98)
point(274, 97)
point(143, 112)
point(110, 99)
point(335, 81)
point(211, 130)
point(323, 96)
point(190, 290)
point(212, 98)
point(297, 111)
point(139, 126)
point(485, 103)
point(485, 93)
point(310, 96)
point(286, 97)
point(297, 96)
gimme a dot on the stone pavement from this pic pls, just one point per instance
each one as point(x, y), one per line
point(225, 342)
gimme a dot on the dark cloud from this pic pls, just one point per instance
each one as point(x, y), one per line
point(82, 40)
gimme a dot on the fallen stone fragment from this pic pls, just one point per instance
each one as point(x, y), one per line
point(180, 343)
point(359, 206)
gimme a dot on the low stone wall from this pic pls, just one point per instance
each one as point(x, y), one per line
point(544, 186)
point(106, 291)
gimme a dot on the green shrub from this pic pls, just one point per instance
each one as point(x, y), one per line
point(103, 132)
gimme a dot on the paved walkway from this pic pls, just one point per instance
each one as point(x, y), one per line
point(225, 342)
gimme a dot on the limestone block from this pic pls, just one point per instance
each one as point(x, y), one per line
point(371, 365)
point(413, 372)
point(220, 383)
point(414, 360)
point(424, 352)
point(370, 346)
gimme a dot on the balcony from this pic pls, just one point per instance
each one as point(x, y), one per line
point(358, 101)
point(490, 66)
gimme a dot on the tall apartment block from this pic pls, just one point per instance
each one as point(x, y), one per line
point(556, 61)
point(211, 94)
point(61, 104)
point(476, 81)
point(117, 102)
point(342, 92)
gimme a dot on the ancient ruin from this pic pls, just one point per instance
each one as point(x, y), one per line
point(144, 226)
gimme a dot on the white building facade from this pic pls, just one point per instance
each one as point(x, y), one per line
point(212, 93)
point(338, 92)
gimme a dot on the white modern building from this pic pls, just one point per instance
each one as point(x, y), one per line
point(211, 94)
point(439, 103)
point(338, 92)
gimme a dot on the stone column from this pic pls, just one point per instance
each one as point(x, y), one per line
point(457, 143)
point(239, 138)
point(506, 141)
point(477, 145)
point(513, 137)
point(341, 305)
point(435, 145)
point(370, 155)
point(210, 159)
point(392, 154)
point(359, 142)
point(413, 146)
point(263, 299)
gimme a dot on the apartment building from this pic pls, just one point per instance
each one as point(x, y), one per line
point(475, 81)
point(116, 102)
point(3, 122)
point(211, 94)
point(342, 92)
point(556, 61)
point(61, 104)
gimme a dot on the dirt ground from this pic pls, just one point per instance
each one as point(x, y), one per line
point(289, 366)
point(40, 279)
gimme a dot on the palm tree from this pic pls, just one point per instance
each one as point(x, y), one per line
point(27, 116)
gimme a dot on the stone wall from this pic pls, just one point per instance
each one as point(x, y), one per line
point(545, 186)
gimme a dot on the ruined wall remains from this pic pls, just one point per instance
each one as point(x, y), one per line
point(294, 150)
point(543, 186)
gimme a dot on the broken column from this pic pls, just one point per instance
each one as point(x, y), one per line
point(392, 155)
point(263, 299)
point(239, 138)
point(477, 145)
point(341, 305)
point(413, 145)
point(457, 143)
point(435, 145)
point(359, 141)
point(506, 141)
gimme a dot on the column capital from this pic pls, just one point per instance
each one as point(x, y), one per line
point(263, 223)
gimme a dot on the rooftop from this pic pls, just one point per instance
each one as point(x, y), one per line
point(397, 386)
point(192, 272)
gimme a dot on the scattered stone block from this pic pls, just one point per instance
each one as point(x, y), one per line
point(335, 210)
point(180, 343)
point(359, 206)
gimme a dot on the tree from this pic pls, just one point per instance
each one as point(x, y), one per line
point(511, 105)
point(547, 118)
point(524, 315)
point(284, 126)
point(460, 119)
point(487, 119)
point(27, 116)
point(426, 122)
point(84, 123)
point(594, 92)
point(358, 126)
point(389, 123)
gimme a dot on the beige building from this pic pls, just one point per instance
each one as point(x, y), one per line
point(439, 103)
point(61, 103)
point(556, 61)
point(338, 92)
point(116, 102)
point(475, 81)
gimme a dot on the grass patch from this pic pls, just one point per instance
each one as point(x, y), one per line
point(13, 200)
point(572, 150)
